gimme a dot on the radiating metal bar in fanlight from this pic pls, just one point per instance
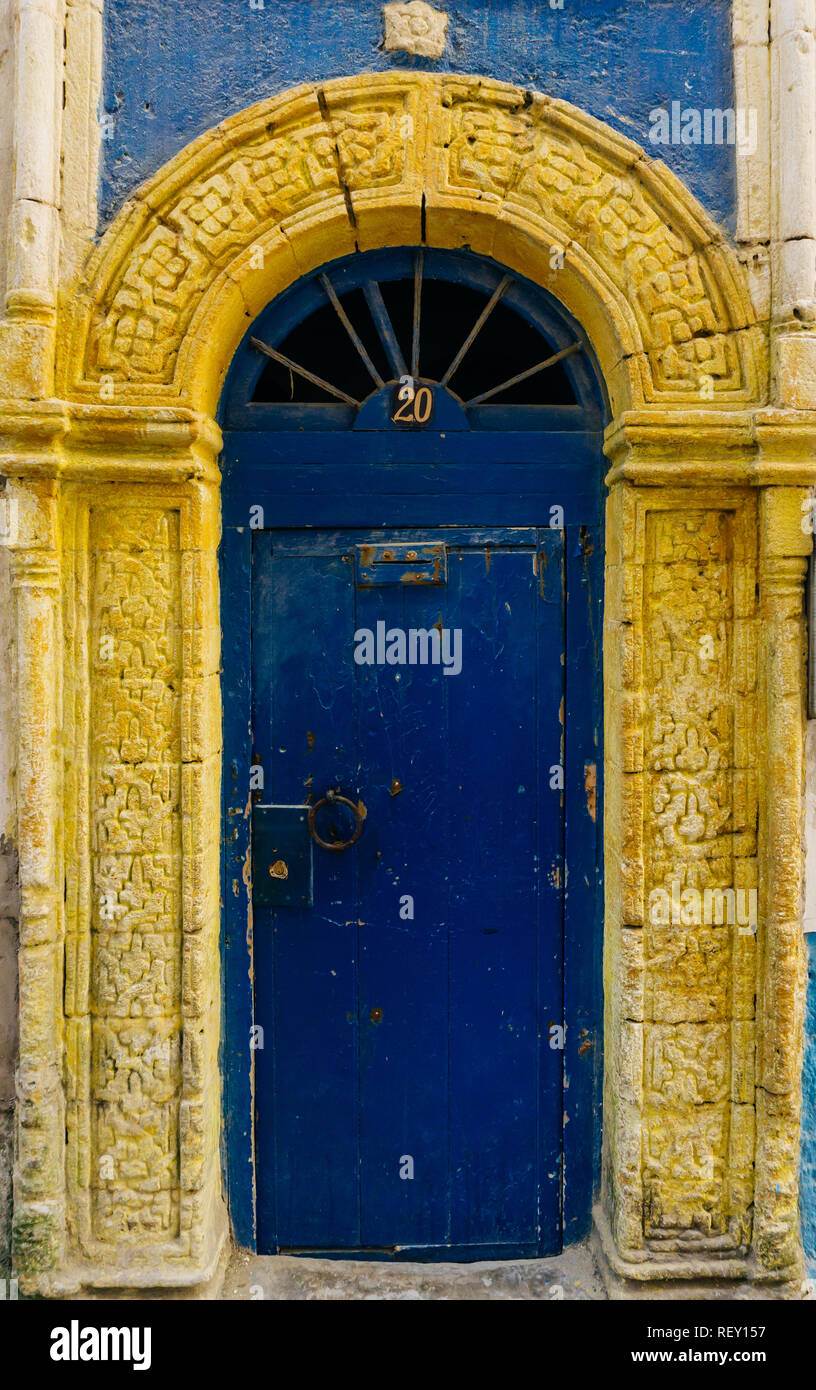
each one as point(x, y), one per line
point(477, 327)
point(302, 371)
point(523, 376)
point(384, 327)
point(350, 329)
point(419, 266)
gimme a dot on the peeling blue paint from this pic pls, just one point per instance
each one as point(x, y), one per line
point(172, 71)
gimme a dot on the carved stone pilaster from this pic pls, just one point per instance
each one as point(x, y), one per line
point(141, 990)
point(39, 1185)
point(693, 924)
point(783, 976)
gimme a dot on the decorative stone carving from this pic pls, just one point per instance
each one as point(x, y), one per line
point(135, 996)
point(699, 987)
point(415, 28)
point(527, 159)
point(675, 294)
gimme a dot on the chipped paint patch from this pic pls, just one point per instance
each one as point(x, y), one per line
point(591, 787)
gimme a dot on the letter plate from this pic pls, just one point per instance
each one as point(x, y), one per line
point(401, 564)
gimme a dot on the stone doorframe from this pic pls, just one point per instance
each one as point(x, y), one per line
point(113, 488)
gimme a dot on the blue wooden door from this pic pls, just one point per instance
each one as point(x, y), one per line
point(412, 445)
point(407, 1092)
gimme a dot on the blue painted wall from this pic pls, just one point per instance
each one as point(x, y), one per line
point(174, 69)
point(808, 1175)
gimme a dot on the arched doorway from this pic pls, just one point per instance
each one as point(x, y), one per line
point(412, 562)
point(118, 489)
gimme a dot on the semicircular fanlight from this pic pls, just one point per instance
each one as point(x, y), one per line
point(364, 331)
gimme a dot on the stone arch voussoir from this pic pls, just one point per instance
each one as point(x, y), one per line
point(396, 158)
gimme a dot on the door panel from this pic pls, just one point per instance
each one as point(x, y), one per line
point(505, 828)
point(404, 776)
point(305, 960)
point(389, 1037)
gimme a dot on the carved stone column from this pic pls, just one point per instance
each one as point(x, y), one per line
point(39, 1184)
point(28, 329)
point(143, 738)
point(118, 748)
point(681, 683)
point(785, 544)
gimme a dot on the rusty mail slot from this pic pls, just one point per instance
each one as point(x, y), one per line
point(401, 564)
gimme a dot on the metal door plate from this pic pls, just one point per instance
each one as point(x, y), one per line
point(401, 564)
point(281, 857)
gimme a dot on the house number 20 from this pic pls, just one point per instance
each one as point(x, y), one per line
point(412, 405)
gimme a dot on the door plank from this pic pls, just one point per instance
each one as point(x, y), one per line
point(496, 846)
point(306, 959)
point(403, 962)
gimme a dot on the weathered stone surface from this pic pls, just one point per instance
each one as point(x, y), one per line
point(135, 986)
point(355, 151)
point(415, 28)
point(692, 653)
point(570, 1276)
point(9, 909)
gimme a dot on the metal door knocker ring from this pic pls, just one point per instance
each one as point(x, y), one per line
point(334, 798)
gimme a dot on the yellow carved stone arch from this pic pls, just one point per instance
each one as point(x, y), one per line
point(397, 158)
